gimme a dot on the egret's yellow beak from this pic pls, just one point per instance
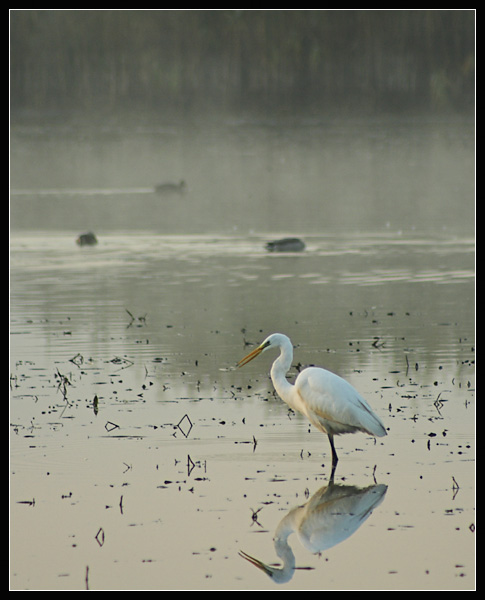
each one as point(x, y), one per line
point(257, 563)
point(251, 355)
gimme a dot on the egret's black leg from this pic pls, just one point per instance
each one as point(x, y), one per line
point(334, 457)
point(334, 453)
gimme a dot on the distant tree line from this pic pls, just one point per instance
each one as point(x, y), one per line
point(228, 59)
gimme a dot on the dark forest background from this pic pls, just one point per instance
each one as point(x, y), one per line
point(212, 60)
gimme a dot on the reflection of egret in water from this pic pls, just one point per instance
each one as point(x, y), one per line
point(331, 515)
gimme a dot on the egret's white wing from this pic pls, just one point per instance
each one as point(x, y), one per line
point(333, 404)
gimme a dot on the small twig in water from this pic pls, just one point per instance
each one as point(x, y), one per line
point(141, 320)
point(62, 384)
point(99, 537)
point(438, 404)
point(29, 502)
point(254, 516)
point(185, 432)
point(110, 426)
point(124, 362)
point(376, 343)
point(190, 465)
point(78, 359)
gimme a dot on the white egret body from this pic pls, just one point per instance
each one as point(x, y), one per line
point(329, 402)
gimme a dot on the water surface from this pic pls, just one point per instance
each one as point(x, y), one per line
point(141, 459)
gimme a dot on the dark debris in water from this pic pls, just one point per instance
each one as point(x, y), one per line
point(185, 426)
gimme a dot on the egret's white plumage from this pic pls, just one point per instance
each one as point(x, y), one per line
point(328, 401)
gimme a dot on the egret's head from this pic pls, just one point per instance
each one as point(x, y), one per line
point(278, 575)
point(275, 340)
point(256, 352)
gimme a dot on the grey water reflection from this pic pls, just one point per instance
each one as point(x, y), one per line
point(332, 515)
point(314, 176)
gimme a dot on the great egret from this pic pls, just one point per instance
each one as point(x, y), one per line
point(330, 403)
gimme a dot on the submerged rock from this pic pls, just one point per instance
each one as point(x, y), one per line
point(286, 245)
point(87, 239)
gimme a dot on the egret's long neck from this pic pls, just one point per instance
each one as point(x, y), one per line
point(285, 528)
point(279, 369)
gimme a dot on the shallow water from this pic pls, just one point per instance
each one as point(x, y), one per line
point(141, 459)
point(175, 503)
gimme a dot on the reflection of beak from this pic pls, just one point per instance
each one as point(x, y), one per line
point(250, 356)
point(257, 563)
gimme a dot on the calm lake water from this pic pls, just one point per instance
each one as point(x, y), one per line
point(140, 457)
